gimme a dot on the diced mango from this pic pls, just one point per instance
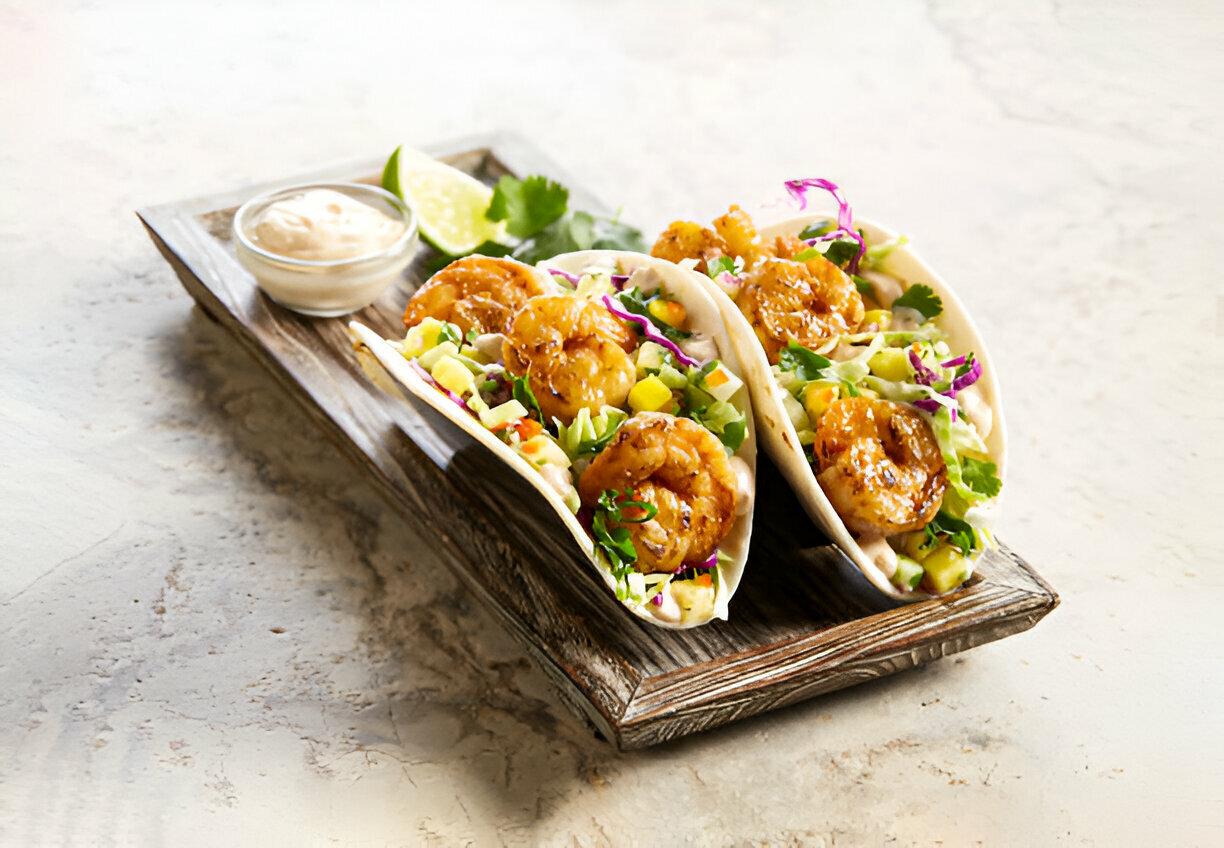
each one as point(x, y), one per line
point(650, 395)
point(890, 364)
point(650, 357)
point(915, 545)
point(421, 337)
point(945, 569)
point(668, 311)
point(696, 599)
point(453, 374)
point(503, 414)
point(430, 357)
point(881, 318)
point(817, 397)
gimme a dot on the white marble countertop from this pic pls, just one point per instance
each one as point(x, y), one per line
point(213, 632)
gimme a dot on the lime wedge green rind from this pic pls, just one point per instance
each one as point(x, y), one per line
point(450, 205)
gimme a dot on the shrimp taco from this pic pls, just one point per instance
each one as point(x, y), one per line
point(872, 387)
point(609, 381)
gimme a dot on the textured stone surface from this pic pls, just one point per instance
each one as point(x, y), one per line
point(212, 631)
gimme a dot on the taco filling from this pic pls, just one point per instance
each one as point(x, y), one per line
point(887, 415)
point(599, 381)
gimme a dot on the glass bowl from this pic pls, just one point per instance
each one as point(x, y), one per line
point(326, 288)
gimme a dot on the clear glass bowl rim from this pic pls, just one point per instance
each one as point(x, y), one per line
point(407, 215)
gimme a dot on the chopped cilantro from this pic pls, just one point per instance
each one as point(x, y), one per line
point(524, 395)
point(864, 286)
point(720, 265)
point(956, 530)
point(527, 206)
point(839, 251)
point(806, 364)
point(450, 333)
point(922, 298)
point(819, 228)
point(615, 543)
point(614, 503)
point(579, 231)
point(634, 301)
point(980, 476)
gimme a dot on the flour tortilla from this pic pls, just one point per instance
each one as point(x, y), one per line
point(778, 434)
point(705, 319)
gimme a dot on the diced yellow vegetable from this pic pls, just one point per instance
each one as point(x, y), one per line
point(695, 599)
point(650, 395)
point(453, 375)
point(503, 413)
point(945, 569)
point(430, 357)
point(668, 311)
point(891, 363)
point(882, 318)
point(817, 397)
point(421, 337)
point(650, 357)
point(914, 545)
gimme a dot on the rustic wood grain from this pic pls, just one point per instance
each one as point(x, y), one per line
point(804, 622)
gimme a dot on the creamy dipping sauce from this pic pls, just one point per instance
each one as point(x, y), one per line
point(322, 225)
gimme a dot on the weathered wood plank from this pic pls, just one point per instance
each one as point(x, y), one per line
point(803, 623)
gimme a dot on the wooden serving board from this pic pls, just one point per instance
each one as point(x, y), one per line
point(803, 622)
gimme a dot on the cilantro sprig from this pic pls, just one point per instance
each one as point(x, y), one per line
point(616, 542)
point(639, 304)
point(922, 298)
point(806, 364)
point(527, 206)
point(981, 476)
point(720, 265)
point(956, 531)
point(523, 394)
point(541, 224)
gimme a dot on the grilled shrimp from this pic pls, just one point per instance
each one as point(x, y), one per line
point(681, 468)
point(686, 240)
point(880, 465)
point(574, 354)
point(807, 302)
point(476, 292)
point(740, 234)
point(733, 235)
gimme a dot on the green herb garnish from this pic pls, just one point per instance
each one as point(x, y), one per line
point(523, 394)
point(639, 304)
point(720, 265)
point(957, 531)
point(980, 476)
point(818, 228)
point(806, 364)
point(527, 206)
point(922, 298)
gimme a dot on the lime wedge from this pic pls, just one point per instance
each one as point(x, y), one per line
point(450, 205)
